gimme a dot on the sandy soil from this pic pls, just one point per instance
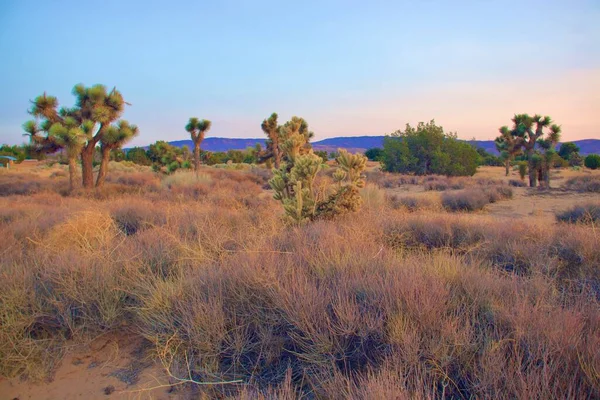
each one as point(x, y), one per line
point(115, 367)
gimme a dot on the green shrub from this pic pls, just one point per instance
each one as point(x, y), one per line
point(426, 150)
point(592, 161)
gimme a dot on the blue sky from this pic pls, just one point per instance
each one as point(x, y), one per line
point(348, 67)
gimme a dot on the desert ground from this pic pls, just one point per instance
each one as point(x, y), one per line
point(177, 286)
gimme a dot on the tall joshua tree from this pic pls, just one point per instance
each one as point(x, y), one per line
point(530, 130)
point(197, 129)
point(95, 107)
point(114, 138)
point(271, 128)
point(509, 145)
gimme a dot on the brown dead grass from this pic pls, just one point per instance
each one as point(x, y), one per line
point(395, 301)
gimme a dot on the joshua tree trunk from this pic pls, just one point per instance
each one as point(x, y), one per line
point(87, 165)
point(507, 165)
point(276, 155)
point(547, 177)
point(103, 166)
point(197, 157)
point(72, 167)
point(540, 175)
point(531, 168)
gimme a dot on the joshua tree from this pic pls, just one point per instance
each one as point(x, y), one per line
point(530, 130)
point(509, 145)
point(271, 128)
point(294, 181)
point(197, 129)
point(95, 107)
point(548, 146)
point(114, 138)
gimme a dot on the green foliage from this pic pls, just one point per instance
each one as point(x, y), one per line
point(323, 155)
point(165, 158)
point(568, 150)
point(592, 161)
point(374, 154)
point(18, 152)
point(575, 160)
point(294, 182)
point(80, 128)
point(138, 155)
point(197, 129)
point(488, 159)
point(426, 150)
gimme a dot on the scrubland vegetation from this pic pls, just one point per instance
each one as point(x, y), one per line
point(315, 279)
point(401, 299)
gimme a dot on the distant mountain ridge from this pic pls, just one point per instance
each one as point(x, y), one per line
point(353, 144)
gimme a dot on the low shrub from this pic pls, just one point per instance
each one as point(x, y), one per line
point(592, 161)
point(466, 200)
point(516, 183)
point(410, 203)
point(586, 214)
point(589, 183)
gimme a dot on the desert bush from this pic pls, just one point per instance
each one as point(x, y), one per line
point(410, 203)
point(475, 199)
point(592, 161)
point(466, 200)
point(589, 183)
point(585, 213)
point(388, 180)
point(516, 183)
point(383, 304)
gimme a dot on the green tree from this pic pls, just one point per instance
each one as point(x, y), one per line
point(374, 154)
point(323, 155)
point(197, 129)
point(592, 161)
point(165, 157)
point(114, 138)
point(509, 144)
point(117, 155)
point(95, 107)
point(567, 150)
point(138, 155)
point(426, 149)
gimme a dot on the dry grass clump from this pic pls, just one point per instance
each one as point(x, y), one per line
point(584, 213)
point(588, 183)
point(517, 183)
point(410, 203)
point(475, 199)
point(24, 184)
point(389, 180)
point(379, 304)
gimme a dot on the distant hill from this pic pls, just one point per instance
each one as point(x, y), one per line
point(354, 144)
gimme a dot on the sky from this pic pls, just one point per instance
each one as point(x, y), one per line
point(348, 67)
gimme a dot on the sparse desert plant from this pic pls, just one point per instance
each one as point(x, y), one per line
point(385, 304)
point(294, 181)
point(516, 183)
point(466, 200)
point(585, 213)
point(590, 183)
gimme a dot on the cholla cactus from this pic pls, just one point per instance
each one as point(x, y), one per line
point(294, 181)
